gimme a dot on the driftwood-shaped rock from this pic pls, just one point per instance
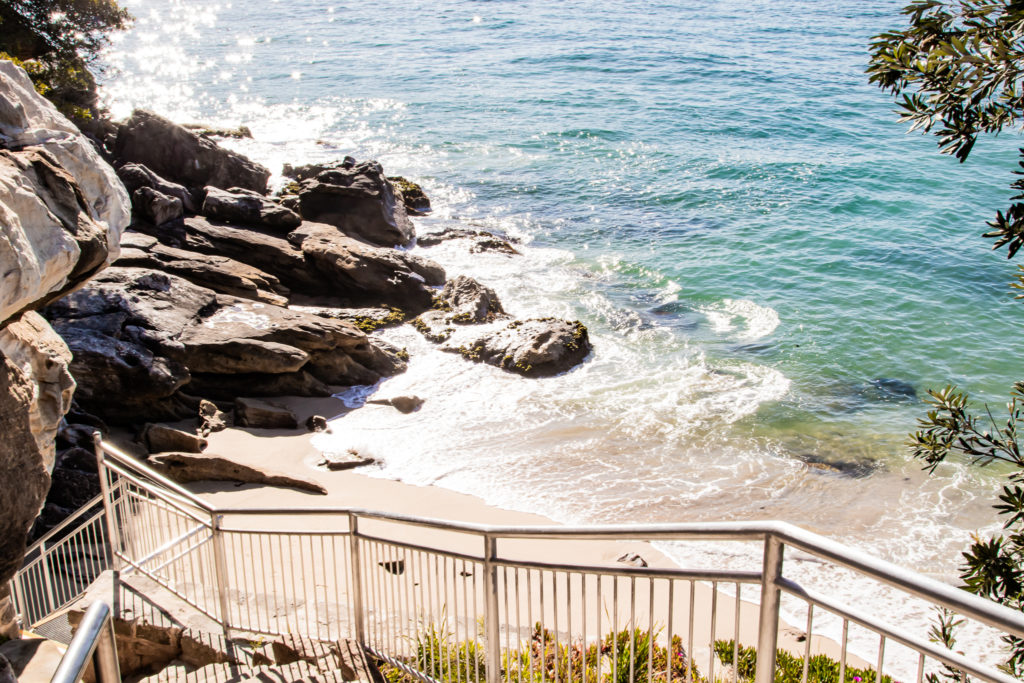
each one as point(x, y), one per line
point(187, 467)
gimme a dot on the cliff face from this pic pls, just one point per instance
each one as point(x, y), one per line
point(62, 212)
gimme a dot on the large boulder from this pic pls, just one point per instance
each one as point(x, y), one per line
point(367, 275)
point(467, 301)
point(248, 208)
point(29, 343)
point(51, 243)
point(35, 393)
point(532, 348)
point(359, 201)
point(179, 155)
point(136, 176)
point(219, 273)
point(257, 414)
point(29, 121)
point(62, 212)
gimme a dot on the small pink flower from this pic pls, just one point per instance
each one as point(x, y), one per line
point(856, 679)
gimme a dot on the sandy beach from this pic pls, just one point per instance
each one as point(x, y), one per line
point(292, 453)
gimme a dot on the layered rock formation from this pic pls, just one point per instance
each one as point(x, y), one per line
point(220, 292)
point(62, 213)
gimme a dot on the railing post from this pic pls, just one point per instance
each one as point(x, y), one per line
point(104, 660)
point(113, 540)
point(220, 567)
point(93, 643)
point(357, 580)
point(491, 626)
point(771, 598)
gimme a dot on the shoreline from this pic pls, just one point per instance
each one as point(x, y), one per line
point(292, 453)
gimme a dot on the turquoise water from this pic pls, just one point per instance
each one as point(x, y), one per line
point(770, 267)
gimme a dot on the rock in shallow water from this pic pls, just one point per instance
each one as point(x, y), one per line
point(532, 348)
point(360, 202)
point(469, 301)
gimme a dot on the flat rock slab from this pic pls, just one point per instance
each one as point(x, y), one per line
point(34, 660)
point(187, 467)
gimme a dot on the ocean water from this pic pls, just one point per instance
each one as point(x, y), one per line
point(773, 273)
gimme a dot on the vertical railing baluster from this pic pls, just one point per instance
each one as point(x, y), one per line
point(771, 599)
point(807, 645)
point(357, 579)
point(220, 570)
point(108, 503)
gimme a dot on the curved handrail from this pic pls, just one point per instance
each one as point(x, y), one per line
point(93, 642)
point(967, 604)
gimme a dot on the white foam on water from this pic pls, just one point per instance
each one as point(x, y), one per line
point(749, 320)
point(641, 430)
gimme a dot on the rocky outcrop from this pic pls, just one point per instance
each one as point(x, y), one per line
point(52, 243)
point(21, 462)
point(62, 212)
point(29, 121)
point(360, 202)
point(532, 348)
point(141, 336)
point(257, 247)
point(219, 273)
point(248, 208)
point(183, 157)
point(42, 357)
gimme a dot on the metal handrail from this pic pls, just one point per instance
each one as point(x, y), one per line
point(991, 613)
point(93, 644)
point(72, 519)
point(774, 536)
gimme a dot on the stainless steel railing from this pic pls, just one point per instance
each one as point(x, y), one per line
point(60, 565)
point(446, 601)
point(93, 644)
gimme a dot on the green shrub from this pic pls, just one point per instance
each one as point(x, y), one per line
point(789, 668)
